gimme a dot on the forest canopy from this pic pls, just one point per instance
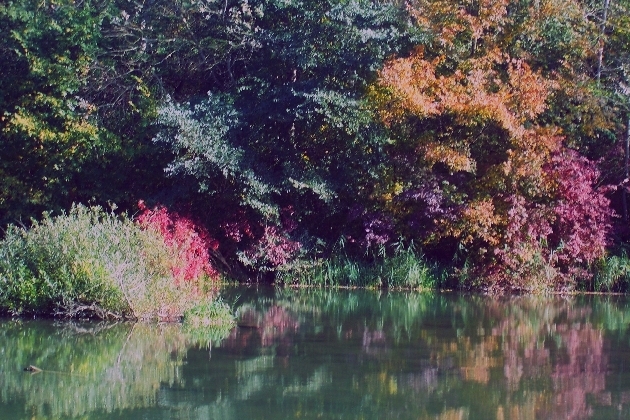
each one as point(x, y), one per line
point(488, 137)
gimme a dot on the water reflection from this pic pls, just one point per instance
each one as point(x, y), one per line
point(474, 357)
point(87, 368)
point(327, 354)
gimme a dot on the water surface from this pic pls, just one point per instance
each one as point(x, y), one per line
point(334, 355)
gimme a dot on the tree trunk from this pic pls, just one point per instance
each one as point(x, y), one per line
point(602, 33)
point(626, 169)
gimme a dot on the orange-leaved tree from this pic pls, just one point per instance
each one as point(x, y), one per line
point(480, 171)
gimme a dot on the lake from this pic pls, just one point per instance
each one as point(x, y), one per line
point(325, 354)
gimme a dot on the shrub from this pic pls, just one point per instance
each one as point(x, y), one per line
point(90, 263)
point(209, 321)
point(273, 251)
point(613, 273)
point(190, 243)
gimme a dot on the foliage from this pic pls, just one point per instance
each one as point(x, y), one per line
point(293, 129)
point(209, 322)
point(48, 133)
point(190, 243)
point(285, 127)
point(90, 263)
point(65, 139)
point(404, 269)
point(612, 273)
point(469, 108)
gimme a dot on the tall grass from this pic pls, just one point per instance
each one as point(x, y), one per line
point(612, 274)
point(209, 322)
point(89, 263)
point(403, 268)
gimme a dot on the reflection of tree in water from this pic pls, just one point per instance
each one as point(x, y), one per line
point(517, 358)
point(549, 355)
point(580, 373)
point(274, 326)
point(89, 367)
point(374, 355)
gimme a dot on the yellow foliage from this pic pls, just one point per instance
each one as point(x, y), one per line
point(454, 159)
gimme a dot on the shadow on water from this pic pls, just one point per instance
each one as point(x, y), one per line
point(334, 354)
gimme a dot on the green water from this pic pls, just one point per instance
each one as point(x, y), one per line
point(321, 354)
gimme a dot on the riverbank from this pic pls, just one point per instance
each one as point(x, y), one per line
point(93, 263)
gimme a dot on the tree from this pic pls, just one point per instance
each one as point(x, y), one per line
point(485, 175)
point(293, 134)
point(48, 133)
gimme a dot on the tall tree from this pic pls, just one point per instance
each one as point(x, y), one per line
point(47, 131)
point(492, 179)
point(294, 133)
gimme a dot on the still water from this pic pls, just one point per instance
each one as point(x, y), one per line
point(321, 354)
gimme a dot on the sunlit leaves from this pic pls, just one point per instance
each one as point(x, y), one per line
point(472, 103)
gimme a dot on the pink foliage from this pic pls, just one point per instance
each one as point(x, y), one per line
point(191, 243)
point(273, 247)
point(277, 324)
point(527, 230)
point(237, 228)
point(583, 214)
point(565, 233)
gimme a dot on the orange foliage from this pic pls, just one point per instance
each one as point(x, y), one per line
point(482, 102)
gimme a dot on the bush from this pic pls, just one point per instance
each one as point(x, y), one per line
point(190, 243)
point(612, 273)
point(209, 322)
point(90, 263)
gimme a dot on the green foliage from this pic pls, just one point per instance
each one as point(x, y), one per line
point(89, 263)
point(293, 128)
point(209, 322)
point(48, 131)
point(612, 274)
point(75, 114)
point(404, 269)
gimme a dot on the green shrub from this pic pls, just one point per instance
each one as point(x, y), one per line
point(89, 263)
point(209, 322)
point(612, 273)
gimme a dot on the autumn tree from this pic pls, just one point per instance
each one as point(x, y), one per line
point(483, 175)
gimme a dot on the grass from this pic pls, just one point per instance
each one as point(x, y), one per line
point(403, 269)
point(612, 274)
point(209, 322)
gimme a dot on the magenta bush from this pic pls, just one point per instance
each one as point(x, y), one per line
point(191, 243)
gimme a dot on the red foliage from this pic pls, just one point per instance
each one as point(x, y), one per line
point(569, 230)
point(191, 242)
point(583, 213)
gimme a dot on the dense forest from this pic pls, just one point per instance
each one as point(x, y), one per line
point(486, 138)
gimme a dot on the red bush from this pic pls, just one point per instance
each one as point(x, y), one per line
point(190, 242)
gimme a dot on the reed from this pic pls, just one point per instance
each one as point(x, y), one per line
point(403, 268)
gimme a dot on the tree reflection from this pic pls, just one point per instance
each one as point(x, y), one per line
point(337, 354)
point(88, 367)
point(518, 358)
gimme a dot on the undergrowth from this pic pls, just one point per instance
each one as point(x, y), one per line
point(402, 268)
point(88, 263)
